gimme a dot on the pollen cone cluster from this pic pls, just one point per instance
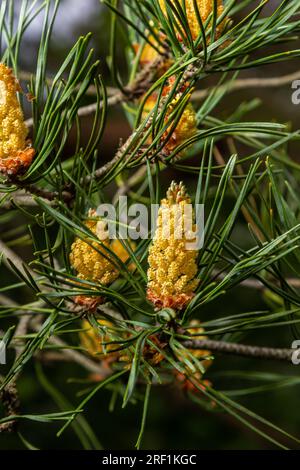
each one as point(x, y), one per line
point(93, 262)
point(15, 152)
point(205, 8)
point(172, 265)
point(185, 128)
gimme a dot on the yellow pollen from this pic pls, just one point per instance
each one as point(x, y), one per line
point(205, 8)
point(93, 341)
point(185, 128)
point(172, 267)
point(15, 153)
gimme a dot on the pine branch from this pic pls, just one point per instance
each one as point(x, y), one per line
point(245, 83)
point(23, 197)
point(226, 189)
point(20, 198)
point(241, 349)
point(65, 196)
point(117, 97)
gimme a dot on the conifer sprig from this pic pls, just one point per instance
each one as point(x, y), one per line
point(132, 339)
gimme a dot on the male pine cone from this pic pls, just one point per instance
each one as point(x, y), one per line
point(94, 262)
point(185, 128)
point(172, 266)
point(205, 9)
point(15, 152)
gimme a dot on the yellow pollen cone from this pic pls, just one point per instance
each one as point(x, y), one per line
point(15, 152)
point(172, 267)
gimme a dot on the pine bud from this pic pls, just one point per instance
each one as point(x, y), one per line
point(15, 152)
point(172, 267)
point(205, 7)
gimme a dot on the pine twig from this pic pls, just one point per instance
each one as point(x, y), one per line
point(241, 349)
point(245, 83)
point(189, 73)
point(24, 196)
point(22, 199)
point(66, 196)
point(117, 97)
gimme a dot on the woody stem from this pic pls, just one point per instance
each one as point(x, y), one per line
point(241, 349)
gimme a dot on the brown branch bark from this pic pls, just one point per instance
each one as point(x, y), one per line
point(21, 199)
point(243, 83)
point(25, 196)
point(45, 194)
point(241, 349)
